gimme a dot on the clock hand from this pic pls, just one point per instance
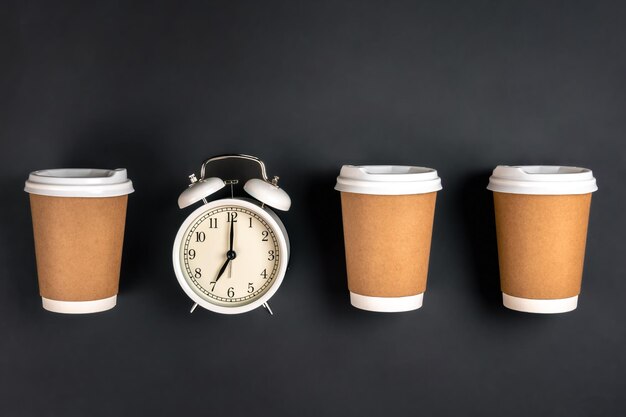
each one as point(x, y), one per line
point(232, 233)
point(232, 240)
point(230, 255)
point(219, 274)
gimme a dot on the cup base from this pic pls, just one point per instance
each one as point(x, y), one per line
point(529, 305)
point(79, 307)
point(386, 304)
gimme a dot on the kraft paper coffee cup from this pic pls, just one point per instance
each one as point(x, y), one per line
point(388, 214)
point(542, 213)
point(78, 224)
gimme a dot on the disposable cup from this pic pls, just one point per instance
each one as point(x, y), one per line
point(78, 223)
point(388, 214)
point(542, 214)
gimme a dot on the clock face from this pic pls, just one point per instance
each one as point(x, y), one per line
point(230, 255)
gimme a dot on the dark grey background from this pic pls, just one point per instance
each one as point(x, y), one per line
point(156, 87)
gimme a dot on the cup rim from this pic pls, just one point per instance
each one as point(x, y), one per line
point(388, 179)
point(79, 182)
point(542, 180)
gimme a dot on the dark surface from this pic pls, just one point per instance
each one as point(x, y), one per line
point(458, 86)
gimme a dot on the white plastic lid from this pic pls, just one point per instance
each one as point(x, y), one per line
point(542, 180)
point(387, 180)
point(79, 182)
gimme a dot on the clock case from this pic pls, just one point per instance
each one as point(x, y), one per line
point(267, 195)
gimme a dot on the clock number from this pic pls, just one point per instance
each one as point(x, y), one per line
point(200, 236)
point(192, 254)
point(231, 292)
point(213, 285)
point(250, 288)
point(250, 222)
point(264, 274)
point(232, 216)
point(265, 234)
point(198, 273)
point(213, 223)
point(270, 255)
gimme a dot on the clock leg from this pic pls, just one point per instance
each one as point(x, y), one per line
point(193, 307)
point(267, 307)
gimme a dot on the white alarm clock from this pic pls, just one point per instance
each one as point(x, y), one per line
point(230, 255)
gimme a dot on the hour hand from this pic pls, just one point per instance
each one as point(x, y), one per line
point(222, 269)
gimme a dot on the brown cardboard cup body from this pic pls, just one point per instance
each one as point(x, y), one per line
point(78, 245)
point(541, 244)
point(387, 242)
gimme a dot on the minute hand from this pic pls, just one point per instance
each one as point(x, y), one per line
point(231, 253)
point(232, 233)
